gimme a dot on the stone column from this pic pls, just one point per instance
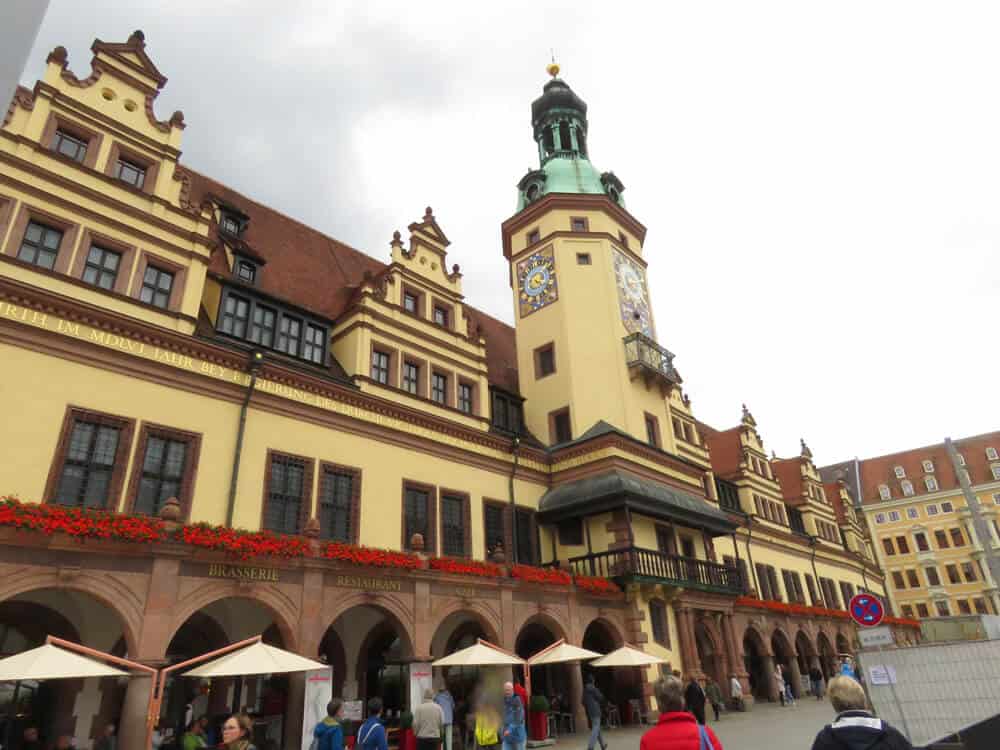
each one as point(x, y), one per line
point(422, 634)
point(794, 674)
point(309, 636)
point(576, 695)
point(689, 647)
point(772, 690)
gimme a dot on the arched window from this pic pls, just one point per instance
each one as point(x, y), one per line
point(565, 144)
point(883, 492)
point(548, 141)
point(581, 141)
point(532, 193)
point(658, 620)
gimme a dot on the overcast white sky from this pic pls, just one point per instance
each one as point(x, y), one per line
point(820, 181)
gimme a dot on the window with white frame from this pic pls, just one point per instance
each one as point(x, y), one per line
point(991, 454)
point(928, 466)
point(931, 484)
point(995, 468)
point(947, 507)
point(880, 518)
point(900, 473)
point(932, 510)
point(883, 492)
point(996, 498)
point(912, 513)
point(907, 486)
point(894, 515)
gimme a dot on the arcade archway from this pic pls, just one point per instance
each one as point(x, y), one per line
point(460, 630)
point(551, 680)
point(78, 707)
point(827, 657)
point(805, 651)
point(784, 656)
point(712, 661)
point(757, 665)
point(843, 645)
point(617, 685)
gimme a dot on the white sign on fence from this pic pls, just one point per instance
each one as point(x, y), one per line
point(871, 637)
point(882, 674)
point(354, 710)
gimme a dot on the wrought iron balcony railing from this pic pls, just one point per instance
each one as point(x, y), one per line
point(646, 357)
point(653, 565)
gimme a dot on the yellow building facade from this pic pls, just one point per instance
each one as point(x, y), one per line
point(410, 473)
point(923, 530)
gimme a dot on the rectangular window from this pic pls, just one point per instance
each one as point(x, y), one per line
point(811, 585)
point(70, 146)
point(912, 579)
point(652, 431)
point(963, 607)
point(314, 346)
point(439, 388)
point(665, 542)
point(931, 484)
point(932, 576)
point(93, 460)
point(262, 327)
point(40, 245)
point(411, 377)
point(578, 224)
point(163, 465)
point(465, 398)
point(995, 468)
point(880, 518)
point(442, 316)
point(338, 497)
point(453, 525)
point(956, 538)
point(897, 580)
point(922, 610)
point(902, 545)
point(583, 259)
point(623, 239)
point(921, 539)
point(534, 236)
point(130, 173)
point(969, 570)
point(416, 517)
point(288, 488)
point(763, 582)
point(527, 533)
point(894, 515)
point(772, 575)
point(887, 545)
point(932, 510)
point(953, 576)
point(289, 335)
point(230, 225)
point(101, 268)
point(235, 316)
point(980, 605)
point(942, 608)
point(907, 611)
point(571, 532)
point(246, 271)
point(942, 539)
point(495, 527)
point(411, 302)
point(928, 466)
point(507, 413)
point(846, 592)
point(380, 367)
point(562, 431)
point(658, 622)
point(912, 513)
point(545, 360)
point(947, 507)
point(156, 287)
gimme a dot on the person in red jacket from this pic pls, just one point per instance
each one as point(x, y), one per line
point(677, 729)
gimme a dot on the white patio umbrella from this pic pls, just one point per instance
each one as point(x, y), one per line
point(50, 662)
point(560, 652)
point(627, 656)
point(480, 654)
point(258, 658)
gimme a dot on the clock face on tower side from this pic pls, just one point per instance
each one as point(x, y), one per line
point(633, 297)
point(536, 281)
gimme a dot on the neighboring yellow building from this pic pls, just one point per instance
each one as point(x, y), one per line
point(922, 529)
point(411, 473)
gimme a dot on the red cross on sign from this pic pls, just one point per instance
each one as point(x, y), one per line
point(866, 610)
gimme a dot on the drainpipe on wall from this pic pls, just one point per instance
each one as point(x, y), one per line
point(253, 366)
point(753, 569)
point(819, 586)
point(515, 444)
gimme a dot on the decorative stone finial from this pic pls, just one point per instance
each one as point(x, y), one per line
point(552, 68)
point(455, 269)
point(428, 213)
point(312, 529)
point(177, 119)
point(806, 453)
point(748, 419)
point(397, 239)
point(498, 555)
point(417, 542)
point(137, 38)
point(170, 513)
point(58, 55)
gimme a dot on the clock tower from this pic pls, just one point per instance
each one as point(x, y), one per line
point(586, 340)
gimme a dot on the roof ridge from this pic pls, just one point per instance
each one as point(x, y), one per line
point(956, 441)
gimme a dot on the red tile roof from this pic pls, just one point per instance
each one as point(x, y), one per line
point(725, 449)
point(789, 472)
point(306, 268)
point(881, 470)
point(832, 490)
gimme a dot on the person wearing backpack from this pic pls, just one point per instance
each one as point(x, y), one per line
point(329, 734)
point(676, 729)
point(371, 735)
point(855, 728)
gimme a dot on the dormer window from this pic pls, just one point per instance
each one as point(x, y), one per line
point(131, 173)
point(928, 467)
point(900, 473)
point(442, 316)
point(230, 225)
point(246, 271)
point(991, 454)
point(69, 145)
point(907, 486)
point(931, 484)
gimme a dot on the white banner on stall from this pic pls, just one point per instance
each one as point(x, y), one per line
point(319, 692)
point(421, 678)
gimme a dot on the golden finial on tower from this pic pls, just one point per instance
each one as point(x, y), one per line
point(553, 67)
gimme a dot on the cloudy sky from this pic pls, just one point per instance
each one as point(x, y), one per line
point(820, 181)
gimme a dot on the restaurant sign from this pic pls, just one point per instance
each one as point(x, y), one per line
point(243, 572)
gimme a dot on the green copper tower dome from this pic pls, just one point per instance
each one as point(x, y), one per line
point(559, 122)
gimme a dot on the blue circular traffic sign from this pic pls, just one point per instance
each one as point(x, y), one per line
point(866, 610)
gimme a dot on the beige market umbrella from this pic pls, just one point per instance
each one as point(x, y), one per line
point(560, 652)
point(480, 654)
point(627, 656)
point(50, 662)
point(258, 658)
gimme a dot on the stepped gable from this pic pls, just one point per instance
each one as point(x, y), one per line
point(318, 273)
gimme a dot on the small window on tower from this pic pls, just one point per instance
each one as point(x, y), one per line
point(548, 141)
point(246, 271)
point(230, 225)
point(578, 224)
point(532, 194)
point(581, 141)
point(565, 144)
point(623, 239)
point(561, 429)
point(534, 236)
point(583, 259)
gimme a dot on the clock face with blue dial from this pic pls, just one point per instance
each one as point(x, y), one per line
point(536, 281)
point(633, 295)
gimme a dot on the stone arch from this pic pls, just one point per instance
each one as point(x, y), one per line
point(843, 644)
point(827, 655)
point(274, 601)
point(786, 658)
point(546, 621)
point(758, 663)
point(711, 649)
point(536, 632)
point(610, 628)
point(390, 605)
point(805, 650)
point(331, 649)
point(107, 590)
point(479, 612)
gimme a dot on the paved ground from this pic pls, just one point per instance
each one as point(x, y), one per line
point(767, 727)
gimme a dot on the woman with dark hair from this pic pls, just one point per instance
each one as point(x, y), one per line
point(237, 733)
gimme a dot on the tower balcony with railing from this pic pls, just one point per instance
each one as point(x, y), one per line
point(647, 359)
